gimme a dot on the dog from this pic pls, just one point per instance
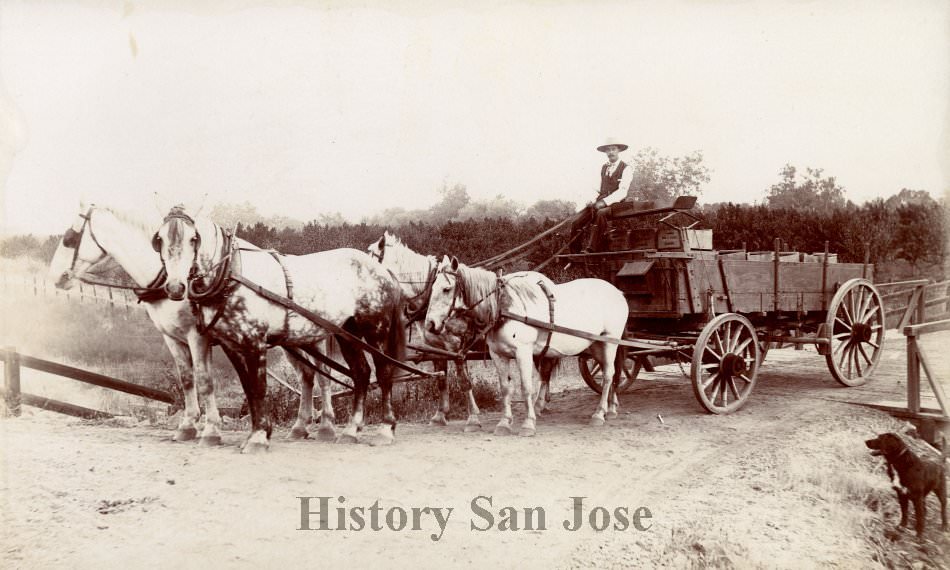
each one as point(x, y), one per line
point(916, 478)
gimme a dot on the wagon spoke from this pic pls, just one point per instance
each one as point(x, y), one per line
point(857, 363)
point(864, 308)
point(719, 345)
point(712, 378)
point(841, 345)
point(842, 335)
point(746, 378)
point(713, 352)
point(709, 365)
point(846, 325)
point(723, 392)
point(874, 344)
point(865, 354)
point(847, 313)
point(732, 387)
point(745, 344)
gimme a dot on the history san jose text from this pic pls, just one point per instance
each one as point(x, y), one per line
point(327, 513)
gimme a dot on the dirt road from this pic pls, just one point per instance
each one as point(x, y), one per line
point(784, 482)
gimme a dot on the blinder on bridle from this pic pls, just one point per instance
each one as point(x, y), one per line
point(73, 239)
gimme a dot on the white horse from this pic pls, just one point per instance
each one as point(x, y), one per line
point(416, 274)
point(100, 236)
point(590, 305)
point(344, 287)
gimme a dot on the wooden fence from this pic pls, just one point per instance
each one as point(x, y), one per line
point(14, 361)
point(119, 301)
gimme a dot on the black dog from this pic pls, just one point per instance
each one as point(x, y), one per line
point(918, 477)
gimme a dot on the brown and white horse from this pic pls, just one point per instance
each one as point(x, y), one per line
point(416, 274)
point(344, 286)
point(590, 305)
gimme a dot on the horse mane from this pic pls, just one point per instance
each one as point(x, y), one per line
point(479, 288)
point(405, 262)
point(147, 225)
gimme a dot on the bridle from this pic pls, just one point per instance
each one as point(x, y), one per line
point(455, 294)
point(73, 239)
point(177, 213)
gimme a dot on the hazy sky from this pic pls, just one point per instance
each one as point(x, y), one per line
point(306, 108)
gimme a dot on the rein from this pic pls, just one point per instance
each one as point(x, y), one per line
point(154, 291)
point(467, 311)
point(417, 313)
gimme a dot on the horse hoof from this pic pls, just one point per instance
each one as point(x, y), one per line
point(597, 421)
point(347, 438)
point(472, 428)
point(299, 433)
point(254, 448)
point(502, 430)
point(527, 432)
point(210, 441)
point(326, 433)
point(185, 434)
point(440, 421)
point(611, 415)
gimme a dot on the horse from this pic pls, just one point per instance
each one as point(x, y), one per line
point(593, 306)
point(101, 236)
point(224, 278)
point(416, 273)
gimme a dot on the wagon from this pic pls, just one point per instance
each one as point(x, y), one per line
point(721, 311)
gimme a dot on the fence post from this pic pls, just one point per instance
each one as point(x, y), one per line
point(11, 379)
point(913, 375)
point(919, 313)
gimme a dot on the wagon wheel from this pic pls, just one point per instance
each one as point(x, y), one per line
point(593, 377)
point(725, 363)
point(856, 326)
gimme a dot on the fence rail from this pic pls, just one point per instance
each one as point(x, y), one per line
point(13, 361)
point(119, 301)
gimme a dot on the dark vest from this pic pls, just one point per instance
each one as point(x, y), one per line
point(610, 184)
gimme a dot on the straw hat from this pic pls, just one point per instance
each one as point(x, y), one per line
point(612, 142)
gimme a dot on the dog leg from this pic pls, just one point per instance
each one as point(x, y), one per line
point(902, 498)
point(942, 497)
point(920, 514)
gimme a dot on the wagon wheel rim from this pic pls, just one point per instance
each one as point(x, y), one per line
point(855, 328)
point(593, 376)
point(725, 363)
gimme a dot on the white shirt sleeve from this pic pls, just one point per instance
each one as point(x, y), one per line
point(625, 179)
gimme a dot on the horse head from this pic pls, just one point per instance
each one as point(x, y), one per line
point(179, 243)
point(445, 298)
point(78, 252)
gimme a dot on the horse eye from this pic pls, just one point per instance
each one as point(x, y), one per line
point(194, 240)
point(446, 289)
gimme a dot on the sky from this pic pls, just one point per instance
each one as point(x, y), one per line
point(310, 108)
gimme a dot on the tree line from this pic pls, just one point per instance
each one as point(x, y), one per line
point(804, 210)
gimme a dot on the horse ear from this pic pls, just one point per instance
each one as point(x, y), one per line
point(381, 244)
point(455, 263)
point(156, 243)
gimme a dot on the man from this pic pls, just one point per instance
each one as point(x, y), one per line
point(615, 178)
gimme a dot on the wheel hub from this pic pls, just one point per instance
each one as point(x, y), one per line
point(861, 332)
point(733, 365)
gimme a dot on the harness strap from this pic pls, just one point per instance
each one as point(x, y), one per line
point(219, 290)
point(289, 284)
point(155, 290)
point(324, 323)
point(550, 296)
